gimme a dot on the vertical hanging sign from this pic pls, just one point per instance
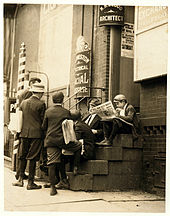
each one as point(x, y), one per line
point(82, 68)
point(111, 15)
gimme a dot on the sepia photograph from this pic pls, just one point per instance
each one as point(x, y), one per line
point(84, 110)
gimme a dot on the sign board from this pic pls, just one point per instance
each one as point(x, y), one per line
point(127, 40)
point(12, 106)
point(111, 15)
point(151, 42)
point(82, 68)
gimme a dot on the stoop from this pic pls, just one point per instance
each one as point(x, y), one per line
point(117, 167)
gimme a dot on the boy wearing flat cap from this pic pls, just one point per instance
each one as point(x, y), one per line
point(94, 121)
point(126, 121)
point(83, 131)
point(54, 140)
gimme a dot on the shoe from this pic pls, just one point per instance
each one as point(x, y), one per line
point(48, 185)
point(105, 142)
point(19, 183)
point(75, 171)
point(53, 190)
point(63, 184)
point(33, 186)
point(17, 176)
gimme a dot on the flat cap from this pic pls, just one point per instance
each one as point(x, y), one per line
point(119, 97)
point(58, 97)
point(95, 102)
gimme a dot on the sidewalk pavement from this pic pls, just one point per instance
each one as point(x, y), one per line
point(20, 199)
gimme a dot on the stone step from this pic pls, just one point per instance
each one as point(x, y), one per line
point(122, 175)
point(116, 182)
point(95, 167)
point(123, 140)
point(80, 182)
point(109, 153)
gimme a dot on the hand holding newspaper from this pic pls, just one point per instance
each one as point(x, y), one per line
point(106, 110)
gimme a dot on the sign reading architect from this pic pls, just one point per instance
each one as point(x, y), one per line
point(111, 15)
point(82, 68)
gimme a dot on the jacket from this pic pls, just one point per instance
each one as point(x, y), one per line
point(131, 117)
point(33, 110)
point(97, 125)
point(52, 125)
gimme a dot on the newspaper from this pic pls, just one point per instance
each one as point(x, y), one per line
point(105, 110)
point(68, 131)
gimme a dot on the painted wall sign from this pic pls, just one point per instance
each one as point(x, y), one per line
point(82, 68)
point(111, 15)
point(54, 51)
point(127, 40)
point(151, 43)
point(151, 16)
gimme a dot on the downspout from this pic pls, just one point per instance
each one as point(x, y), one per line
point(12, 52)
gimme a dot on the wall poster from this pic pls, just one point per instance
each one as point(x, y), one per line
point(127, 40)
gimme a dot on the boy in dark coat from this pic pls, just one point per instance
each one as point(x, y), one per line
point(54, 140)
point(84, 132)
point(94, 121)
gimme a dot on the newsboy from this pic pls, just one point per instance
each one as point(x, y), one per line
point(125, 121)
point(54, 140)
point(33, 110)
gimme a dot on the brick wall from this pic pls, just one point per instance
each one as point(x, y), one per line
point(101, 55)
point(153, 119)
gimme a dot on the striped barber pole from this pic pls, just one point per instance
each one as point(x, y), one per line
point(23, 78)
point(15, 147)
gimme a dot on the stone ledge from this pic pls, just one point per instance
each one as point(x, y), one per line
point(123, 140)
point(109, 153)
point(80, 182)
point(95, 167)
